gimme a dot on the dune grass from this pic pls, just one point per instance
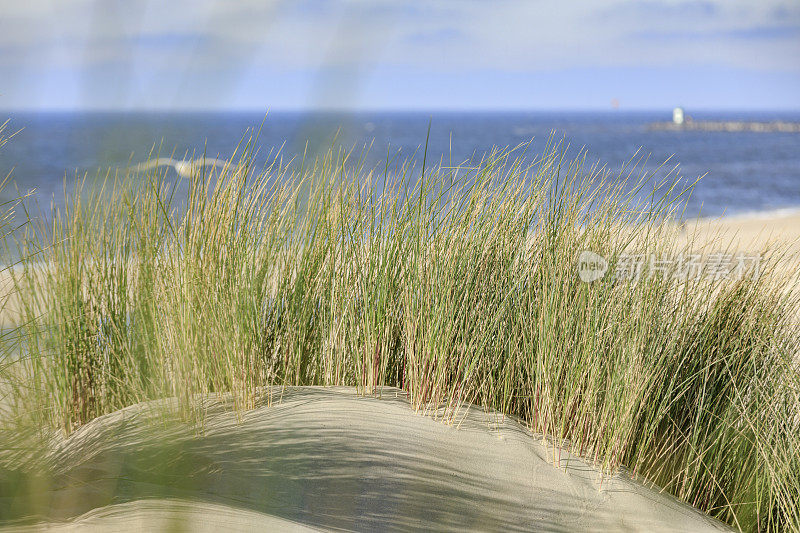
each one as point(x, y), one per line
point(457, 284)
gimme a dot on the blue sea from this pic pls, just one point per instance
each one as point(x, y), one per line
point(744, 172)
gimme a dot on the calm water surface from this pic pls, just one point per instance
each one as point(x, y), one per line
point(744, 171)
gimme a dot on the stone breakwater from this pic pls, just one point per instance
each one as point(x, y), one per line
point(728, 126)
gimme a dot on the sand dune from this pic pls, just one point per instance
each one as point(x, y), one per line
point(169, 515)
point(328, 459)
point(748, 233)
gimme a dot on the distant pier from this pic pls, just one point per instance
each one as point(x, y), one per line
point(733, 126)
point(683, 122)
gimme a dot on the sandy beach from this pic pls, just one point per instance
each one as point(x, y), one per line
point(749, 232)
point(326, 458)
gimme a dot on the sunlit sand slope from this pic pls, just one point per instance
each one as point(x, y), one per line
point(329, 459)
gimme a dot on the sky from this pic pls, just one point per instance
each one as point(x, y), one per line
point(391, 55)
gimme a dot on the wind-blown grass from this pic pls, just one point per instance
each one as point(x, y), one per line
point(455, 284)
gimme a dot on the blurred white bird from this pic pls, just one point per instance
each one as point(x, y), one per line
point(185, 168)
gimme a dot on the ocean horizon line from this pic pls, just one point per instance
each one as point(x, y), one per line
point(389, 111)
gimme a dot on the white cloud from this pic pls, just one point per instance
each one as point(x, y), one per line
point(340, 42)
point(506, 34)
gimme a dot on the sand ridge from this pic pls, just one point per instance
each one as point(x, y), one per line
point(327, 458)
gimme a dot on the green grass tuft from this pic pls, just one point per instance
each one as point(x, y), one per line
point(456, 284)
